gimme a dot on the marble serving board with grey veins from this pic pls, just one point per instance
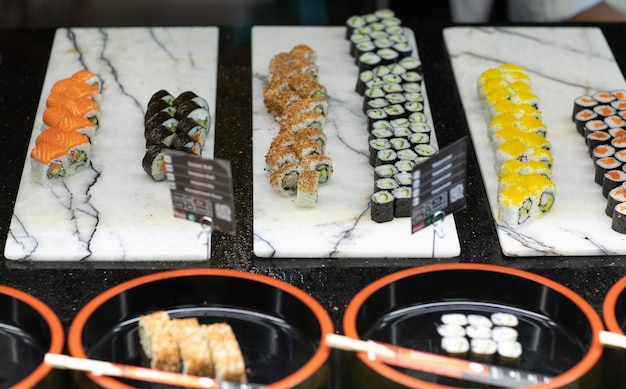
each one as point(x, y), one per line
point(563, 63)
point(113, 210)
point(340, 226)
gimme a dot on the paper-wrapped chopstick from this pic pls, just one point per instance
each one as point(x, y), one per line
point(438, 364)
point(96, 367)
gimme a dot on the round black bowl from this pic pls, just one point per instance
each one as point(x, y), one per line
point(28, 330)
point(558, 330)
point(278, 326)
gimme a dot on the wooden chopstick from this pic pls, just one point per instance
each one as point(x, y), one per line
point(438, 364)
point(96, 367)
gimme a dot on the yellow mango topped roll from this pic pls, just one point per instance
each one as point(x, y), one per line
point(523, 158)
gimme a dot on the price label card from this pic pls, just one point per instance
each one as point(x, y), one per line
point(201, 189)
point(438, 187)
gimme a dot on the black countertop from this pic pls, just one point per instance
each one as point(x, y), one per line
point(66, 287)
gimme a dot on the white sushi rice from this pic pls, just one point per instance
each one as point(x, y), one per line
point(504, 319)
point(455, 345)
point(479, 320)
point(502, 334)
point(478, 332)
point(454, 318)
point(450, 330)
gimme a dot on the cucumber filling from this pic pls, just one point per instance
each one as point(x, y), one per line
point(523, 214)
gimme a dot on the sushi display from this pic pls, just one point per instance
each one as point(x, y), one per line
point(70, 122)
point(179, 123)
point(390, 81)
point(296, 161)
point(184, 345)
point(600, 119)
point(481, 338)
point(521, 149)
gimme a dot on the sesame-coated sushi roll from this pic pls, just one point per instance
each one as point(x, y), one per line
point(306, 193)
point(314, 134)
point(317, 104)
point(285, 179)
point(277, 157)
point(322, 164)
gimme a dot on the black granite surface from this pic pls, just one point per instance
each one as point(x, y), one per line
point(66, 287)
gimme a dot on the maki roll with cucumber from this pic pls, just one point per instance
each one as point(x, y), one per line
point(178, 123)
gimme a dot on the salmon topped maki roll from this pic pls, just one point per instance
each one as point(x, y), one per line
point(74, 89)
point(88, 77)
point(84, 107)
point(77, 123)
point(58, 154)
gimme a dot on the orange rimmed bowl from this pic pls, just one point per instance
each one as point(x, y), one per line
point(614, 315)
point(28, 330)
point(558, 330)
point(279, 327)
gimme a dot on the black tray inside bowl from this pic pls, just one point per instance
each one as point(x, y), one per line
point(21, 353)
point(554, 332)
point(277, 332)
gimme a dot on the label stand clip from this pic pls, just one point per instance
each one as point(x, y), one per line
point(207, 228)
point(438, 231)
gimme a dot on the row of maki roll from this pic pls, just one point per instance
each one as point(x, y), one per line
point(390, 81)
point(377, 39)
point(600, 119)
point(481, 338)
point(296, 160)
point(70, 122)
point(518, 136)
point(178, 123)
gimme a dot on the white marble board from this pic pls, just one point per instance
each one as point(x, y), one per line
point(340, 226)
point(114, 210)
point(563, 63)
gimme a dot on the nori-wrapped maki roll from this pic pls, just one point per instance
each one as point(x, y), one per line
point(161, 118)
point(190, 96)
point(160, 106)
point(618, 223)
point(153, 163)
point(382, 206)
point(192, 129)
point(183, 142)
point(160, 135)
point(161, 95)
